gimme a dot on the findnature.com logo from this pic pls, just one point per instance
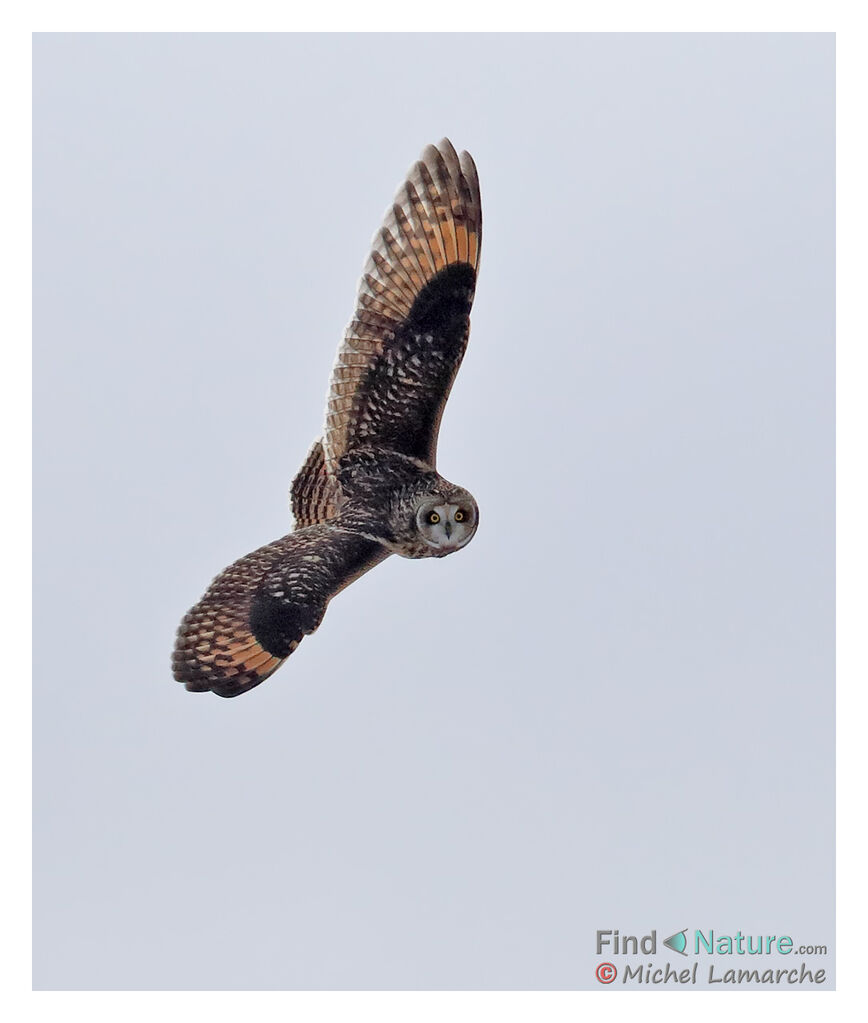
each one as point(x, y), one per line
point(706, 943)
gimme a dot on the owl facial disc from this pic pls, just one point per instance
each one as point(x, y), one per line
point(447, 525)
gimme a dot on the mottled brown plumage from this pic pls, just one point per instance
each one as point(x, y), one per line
point(420, 276)
point(369, 488)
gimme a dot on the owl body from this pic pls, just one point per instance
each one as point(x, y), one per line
point(369, 487)
point(382, 494)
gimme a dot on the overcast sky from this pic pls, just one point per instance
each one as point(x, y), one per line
point(614, 709)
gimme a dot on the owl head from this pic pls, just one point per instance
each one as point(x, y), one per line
point(443, 520)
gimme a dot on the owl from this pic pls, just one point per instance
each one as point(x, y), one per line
point(369, 487)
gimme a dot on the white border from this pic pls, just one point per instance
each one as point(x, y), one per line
point(17, 1000)
point(447, 15)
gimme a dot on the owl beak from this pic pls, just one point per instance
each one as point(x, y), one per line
point(447, 526)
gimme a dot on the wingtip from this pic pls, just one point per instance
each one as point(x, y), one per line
point(448, 151)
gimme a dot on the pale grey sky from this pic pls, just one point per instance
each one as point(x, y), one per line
point(614, 709)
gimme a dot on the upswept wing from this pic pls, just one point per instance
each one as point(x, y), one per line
point(402, 349)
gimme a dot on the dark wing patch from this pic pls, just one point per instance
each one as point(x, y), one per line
point(315, 494)
point(258, 610)
point(401, 351)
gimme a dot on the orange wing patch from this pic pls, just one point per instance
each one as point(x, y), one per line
point(217, 653)
point(434, 222)
point(215, 648)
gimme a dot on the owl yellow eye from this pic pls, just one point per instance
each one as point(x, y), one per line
point(460, 516)
point(433, 518)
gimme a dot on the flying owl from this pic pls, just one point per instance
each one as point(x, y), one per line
point(369, 486)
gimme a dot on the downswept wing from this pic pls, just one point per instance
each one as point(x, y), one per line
point(258, 610)
point(402, 349)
